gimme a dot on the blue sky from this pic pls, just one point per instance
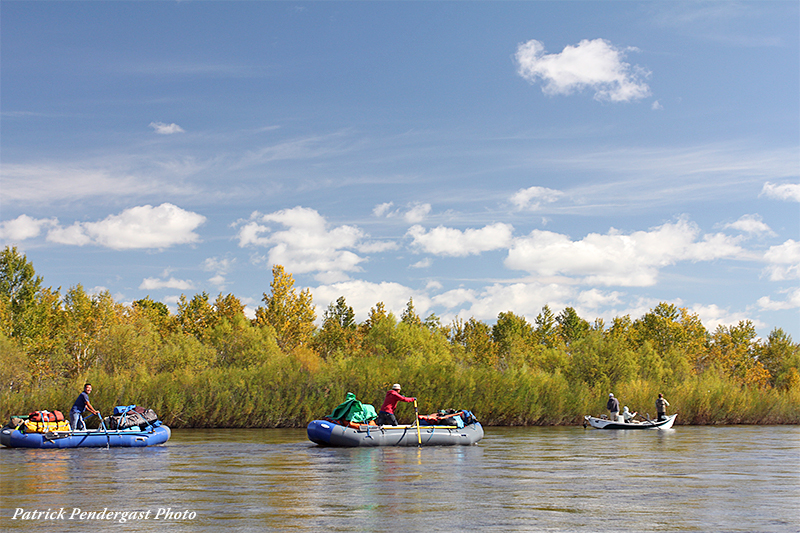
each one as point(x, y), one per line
point(477, 157)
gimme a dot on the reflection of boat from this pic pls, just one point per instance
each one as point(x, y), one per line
point(605, 423)
point(93, 438)
point(328, 433)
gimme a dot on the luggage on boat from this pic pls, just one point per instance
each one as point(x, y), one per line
point(40, 422)
point(448, 417)
point(351, 410)
point(32, 426)
point(46, 416)
point(128, 416)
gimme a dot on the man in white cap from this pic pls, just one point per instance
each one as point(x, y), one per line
point(386, 414)
point(613, 407)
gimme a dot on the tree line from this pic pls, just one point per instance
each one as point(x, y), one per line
point(210, 365)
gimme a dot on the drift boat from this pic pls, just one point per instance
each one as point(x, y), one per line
point(327, 433)
point(605, 423)
point(93, 438)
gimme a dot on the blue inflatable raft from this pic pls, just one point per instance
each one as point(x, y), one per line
point(93, 438)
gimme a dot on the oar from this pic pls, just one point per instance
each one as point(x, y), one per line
point(419, 435)
point(103, 425)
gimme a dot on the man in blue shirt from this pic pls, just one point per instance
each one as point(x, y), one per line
point(81, 404)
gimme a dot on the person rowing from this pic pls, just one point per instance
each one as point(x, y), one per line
point(386, 414)
point(81, 404)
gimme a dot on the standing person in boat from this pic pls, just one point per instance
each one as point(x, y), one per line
point(386, 414)
point(613, 407)
point(661, 407)
point(81, 404)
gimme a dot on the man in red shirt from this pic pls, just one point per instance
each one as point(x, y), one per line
point(386, 414)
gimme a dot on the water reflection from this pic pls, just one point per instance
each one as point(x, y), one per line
point(519, 479)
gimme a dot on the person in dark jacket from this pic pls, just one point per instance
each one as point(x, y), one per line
point(386, 414)
point(81, 404)
point(661, 407)
point(613, 407)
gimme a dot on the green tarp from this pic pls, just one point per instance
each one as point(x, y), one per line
point(354, 411)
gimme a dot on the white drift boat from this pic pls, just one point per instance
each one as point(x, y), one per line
point(605, 423)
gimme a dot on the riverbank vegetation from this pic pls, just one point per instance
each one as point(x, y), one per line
point(208, 365)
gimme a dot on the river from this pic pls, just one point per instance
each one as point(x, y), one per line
point(733, 478)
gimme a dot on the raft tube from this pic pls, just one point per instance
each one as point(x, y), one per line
point(326, 433)
point(94, 438)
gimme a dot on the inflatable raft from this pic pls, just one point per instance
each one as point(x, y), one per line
point(327, 433)
point(93, 438)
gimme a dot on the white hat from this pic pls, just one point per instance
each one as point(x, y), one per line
point(610, 394)
point(396, 386)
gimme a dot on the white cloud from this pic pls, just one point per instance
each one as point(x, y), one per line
point(615, 258)
point(526, 299)
point(533, 197)
point(24, 227)
point(792, 302)
point(787, 191)
point(425, 263)
point(656, 106)
point(596, 65)
point(383, 209)
point(713, 316)
point(149, 284)
point(417, 213)
point(307, 244)
point(221, 266)
point(784, 261)
point(42, 183)
point(753, 224)
point(595, 299)
point(414, 213)
point(363, 295)
point(218, 281)
point(453, 242)
point(135, 228)
point(166, 129)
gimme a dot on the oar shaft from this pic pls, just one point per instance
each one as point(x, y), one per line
point(419, 434)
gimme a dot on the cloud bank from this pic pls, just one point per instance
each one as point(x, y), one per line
point(139, 227)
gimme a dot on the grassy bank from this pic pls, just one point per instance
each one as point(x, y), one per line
point(281, 394)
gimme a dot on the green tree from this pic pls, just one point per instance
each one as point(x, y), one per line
point(289, 313)
point(376, 314)
point(410, 315)
point(546, 327)
point(571, 327)
point(672, 329)
point(734, 350)
point(228, 307)
point(19, 286)
point(339, 329)
point(239, 343)
point(781, 358)
point(475, 339)
point(86, 318)
point(512, 336)
point(157, 313)
point(14, 373)
point(196, 316)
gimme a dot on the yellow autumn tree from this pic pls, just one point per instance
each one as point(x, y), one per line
point(290, 313)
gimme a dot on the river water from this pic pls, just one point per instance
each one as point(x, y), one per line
point(735, 478)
